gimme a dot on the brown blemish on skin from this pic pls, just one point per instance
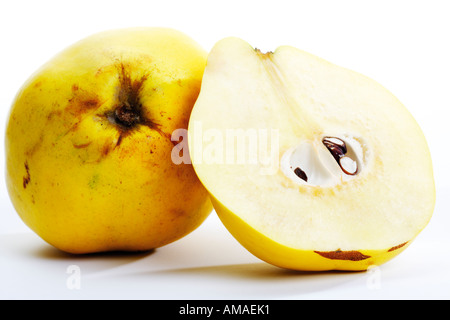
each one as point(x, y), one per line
point(105, 149)
point(35, 146)
point(175, 213)
point(53, 113)
point(398, 247)
point(90, 104)
point(99, 71)
point(343, 255)
point(27, 178)
point(119, 140)
point(82, 101)
point(83, 145)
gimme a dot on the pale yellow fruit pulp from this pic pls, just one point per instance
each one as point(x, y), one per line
point(362, 220)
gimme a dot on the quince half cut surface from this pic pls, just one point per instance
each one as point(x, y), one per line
point(310, 166)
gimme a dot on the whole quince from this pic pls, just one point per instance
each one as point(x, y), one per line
point(89, 143)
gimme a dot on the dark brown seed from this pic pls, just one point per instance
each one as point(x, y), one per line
point(336, 146)
point(338, 149)
point(301, 174)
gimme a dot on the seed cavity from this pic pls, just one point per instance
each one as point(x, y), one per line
point(326, 161)
point(338, 150)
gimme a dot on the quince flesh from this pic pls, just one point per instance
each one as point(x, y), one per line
point(343, 176)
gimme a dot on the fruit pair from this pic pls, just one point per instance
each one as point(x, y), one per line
point(309, 165)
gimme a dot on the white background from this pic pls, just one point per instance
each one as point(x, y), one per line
point(404, 45)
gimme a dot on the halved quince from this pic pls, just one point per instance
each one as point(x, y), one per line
point(310, 166)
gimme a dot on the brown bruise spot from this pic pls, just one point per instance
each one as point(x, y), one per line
point(398, 247)
point(82, 101)
point(119, 140)
point(106, 149)
point(50, 117)
point(176, 213)
point(81, 146)
point(30, 152)
point(99, 71)
point(54, 113)
point(27, 177)
point(343, 255)
point(90, 103)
